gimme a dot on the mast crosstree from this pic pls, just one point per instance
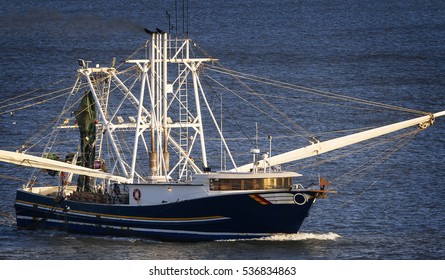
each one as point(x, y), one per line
point(172, 117)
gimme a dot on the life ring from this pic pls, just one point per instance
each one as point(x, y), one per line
point(300, 198)
point(137, 194)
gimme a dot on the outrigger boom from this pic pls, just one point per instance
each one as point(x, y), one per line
point(50, 164)
point(337, 143)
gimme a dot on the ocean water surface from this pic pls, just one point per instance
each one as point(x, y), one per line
point(384, 51)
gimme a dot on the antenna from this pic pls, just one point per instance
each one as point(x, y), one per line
point(256, 135)
point(170, 27)
point(176, 17)
point(221, 125)
point(256, 151)
point(185, 18)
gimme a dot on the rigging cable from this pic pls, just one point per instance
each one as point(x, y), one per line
point(397, 148)
point(309, 137)
point(230, 115)
point(403, 140)
point(323, 93)
point(30, 92)
point(33, 104)
point(260, 110)
point(28, 143)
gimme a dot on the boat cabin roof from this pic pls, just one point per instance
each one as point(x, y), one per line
point(247, 175)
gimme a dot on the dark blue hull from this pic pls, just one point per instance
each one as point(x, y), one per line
point(234, 216)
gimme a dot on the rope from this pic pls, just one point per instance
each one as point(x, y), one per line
point(313, 101)
point(404, 140)
point(29, 143)
point(131, 55)
point(30, 92)
point(323, 93)
point(12, 178)
point(33, 104)
point(261, 110)
point(305, 135)
point(252, 142)
point(366, 167)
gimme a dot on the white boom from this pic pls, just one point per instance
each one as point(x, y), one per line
point(45, 163)
point(337, 143)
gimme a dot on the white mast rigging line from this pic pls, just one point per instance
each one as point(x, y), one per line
point(193, 68)
point(216, 124)
point(259, 109)
point(185, 154)
point(183, 169)
point(138, 131)
point(164, 104)
point(185, 72)
point(108, 124)
point(54, 132)
point(129, 93)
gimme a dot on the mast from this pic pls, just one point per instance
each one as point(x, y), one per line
point(337, 143)
point(153, 154)
point(165, 92)
point(171, 115)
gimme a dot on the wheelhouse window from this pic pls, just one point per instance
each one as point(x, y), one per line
point(250, 184)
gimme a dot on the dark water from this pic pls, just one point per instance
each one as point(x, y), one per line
point(386, 51)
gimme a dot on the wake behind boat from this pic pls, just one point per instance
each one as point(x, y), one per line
point(158, 182)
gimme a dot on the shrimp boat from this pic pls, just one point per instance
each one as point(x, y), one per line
point(175, 195)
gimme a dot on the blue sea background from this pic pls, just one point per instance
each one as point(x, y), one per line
point(385, 51)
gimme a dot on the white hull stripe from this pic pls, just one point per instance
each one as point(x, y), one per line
point(135, 229)
point(277, 198)
point(109, 217)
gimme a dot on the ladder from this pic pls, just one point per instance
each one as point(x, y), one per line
point(183, 119)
